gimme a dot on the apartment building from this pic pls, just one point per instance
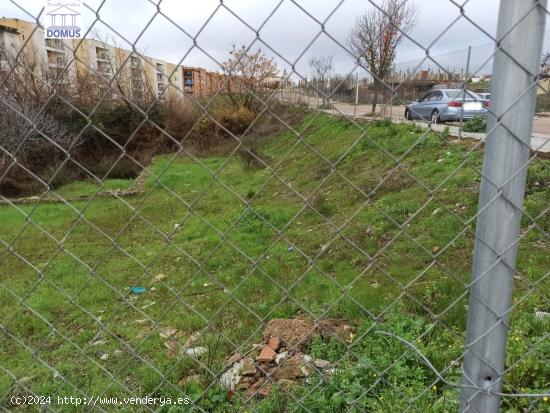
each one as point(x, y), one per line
point(25, 41)
point(200, 82)
point(113, 71)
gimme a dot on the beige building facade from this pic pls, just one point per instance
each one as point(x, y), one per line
point(107, 70)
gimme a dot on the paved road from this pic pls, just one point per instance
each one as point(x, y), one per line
point(540, 141)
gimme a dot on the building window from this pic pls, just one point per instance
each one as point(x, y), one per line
point(101, 53)
point(55, 43)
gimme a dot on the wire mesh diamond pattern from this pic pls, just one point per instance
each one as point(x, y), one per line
point(268, 234)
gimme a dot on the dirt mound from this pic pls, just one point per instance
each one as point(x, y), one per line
point(294, 332)
point(281, 358)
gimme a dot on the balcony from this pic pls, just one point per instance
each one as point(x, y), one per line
point(56, 59)
point(55, 44)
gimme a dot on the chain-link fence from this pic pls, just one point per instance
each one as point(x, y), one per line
point(257, 239)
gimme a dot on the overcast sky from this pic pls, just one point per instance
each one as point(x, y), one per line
point(285, 30)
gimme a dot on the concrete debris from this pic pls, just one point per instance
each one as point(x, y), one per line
point(196, 351)
point(231, 377)
point(280, 360)
point(542, 315)
point(157, 278)
point(101, 355)
point(167, 332)
point(247, 367)
point(321, 364)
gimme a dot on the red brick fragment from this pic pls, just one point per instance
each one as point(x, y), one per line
point(274, 343)
point(267, 354)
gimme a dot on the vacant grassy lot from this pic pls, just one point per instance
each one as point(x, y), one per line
point(383, 244)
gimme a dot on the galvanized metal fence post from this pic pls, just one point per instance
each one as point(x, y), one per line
point(519, 46)
point(464, 87)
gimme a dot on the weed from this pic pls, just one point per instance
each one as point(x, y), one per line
point(251, 159)
point(477, 124)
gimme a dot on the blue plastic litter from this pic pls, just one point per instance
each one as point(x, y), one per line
point(138, 290)
point(290, 249)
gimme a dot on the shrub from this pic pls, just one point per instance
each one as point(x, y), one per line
point(543, 103)
point(250, 159)
point(236, 121)
point(444, 134)
point(32, 141)
point(477, 124)
point(180, 116)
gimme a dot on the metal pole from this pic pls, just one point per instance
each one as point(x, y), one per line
point(356, 95)
point(520, 34)
point(392, 82)
point(464, 91)
point(317, 89)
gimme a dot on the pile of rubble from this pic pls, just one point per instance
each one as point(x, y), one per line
point(281, 358)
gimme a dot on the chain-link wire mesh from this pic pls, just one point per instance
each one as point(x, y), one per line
point(176, 239)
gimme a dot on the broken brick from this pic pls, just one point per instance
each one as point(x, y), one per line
point(267, 354)
point(274, 342)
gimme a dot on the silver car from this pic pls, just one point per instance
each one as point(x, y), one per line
point(447, 105)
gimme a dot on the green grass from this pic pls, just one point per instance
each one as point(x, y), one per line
point(373, 234)
point(85, 188)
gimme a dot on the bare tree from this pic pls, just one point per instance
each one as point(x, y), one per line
point(25, 76)
point(248, 74)
point(118, 76)
point(323, 67)
point(376, 35)
point(23, 127)
point(29, 133)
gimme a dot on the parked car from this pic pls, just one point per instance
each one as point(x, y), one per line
point(447, 105)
